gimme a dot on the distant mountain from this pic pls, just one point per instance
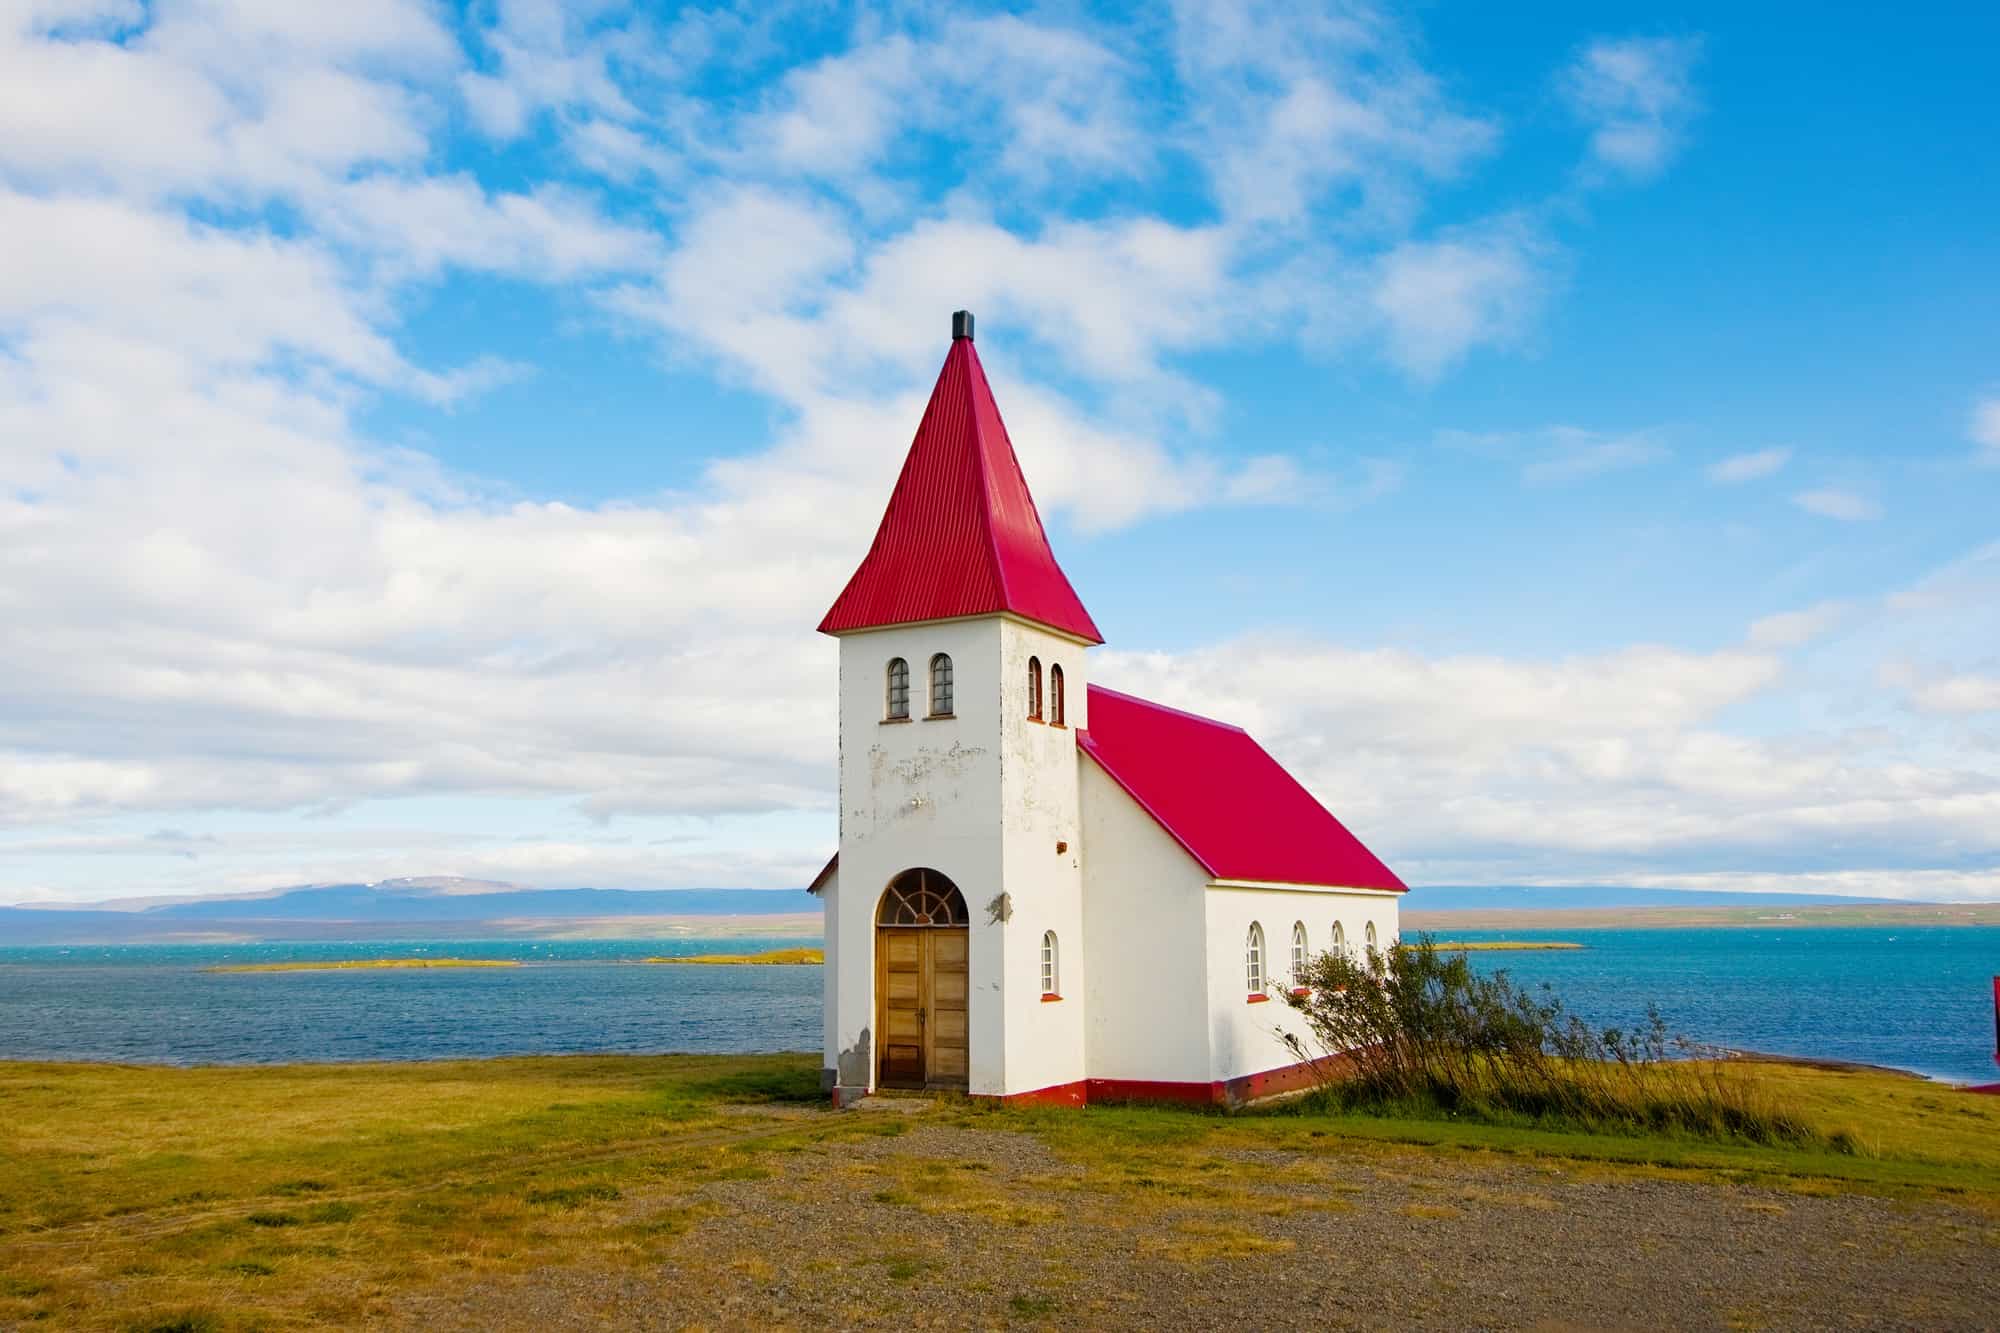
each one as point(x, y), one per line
point(402, 908)
point(1495, 898)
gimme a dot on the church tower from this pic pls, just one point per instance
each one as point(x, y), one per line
point(962, 690)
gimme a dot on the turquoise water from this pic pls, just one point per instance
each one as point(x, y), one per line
point(1915, 998)
point(153, 1003)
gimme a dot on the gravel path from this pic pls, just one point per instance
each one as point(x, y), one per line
point(951, 1228)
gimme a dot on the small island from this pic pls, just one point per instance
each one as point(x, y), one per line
point(783, 957)
point(352, 964)
point(1505, 946)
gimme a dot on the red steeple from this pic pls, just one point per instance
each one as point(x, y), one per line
point(961, 536)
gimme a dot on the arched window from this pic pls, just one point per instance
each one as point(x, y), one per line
point(1371, 937)
point(1055, 695)
point(1339, 939)
point(941, 685)
point(1051, 965)
point(1035, 689)
point(921, 897)
point(1298, 952)
point(899, 690)
point(1253, 959)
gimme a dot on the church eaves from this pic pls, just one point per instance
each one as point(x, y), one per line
point(961, 536)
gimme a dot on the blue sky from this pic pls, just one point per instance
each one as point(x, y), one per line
point(428, 436)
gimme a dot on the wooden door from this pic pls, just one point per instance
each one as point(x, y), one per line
point(921, 989)
point(945, 1062)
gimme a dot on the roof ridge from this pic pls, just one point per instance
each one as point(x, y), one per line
point(1094, 688)
point(984, 459)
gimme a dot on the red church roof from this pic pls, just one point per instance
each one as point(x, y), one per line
point(1223, 798)
point(961, 536)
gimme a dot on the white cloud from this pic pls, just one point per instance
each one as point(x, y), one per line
point(1608, 766)
point(1789, 629)
point(1739, 468)
point(1580, 454)
point(1636, 96)
point(1985, 430)
point(1830, 502)
point(1441, 299)
point(1339, 103)
point(1957, 695)
point(1559, 455)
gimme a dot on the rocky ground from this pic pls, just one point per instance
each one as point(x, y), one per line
point(946, 1226)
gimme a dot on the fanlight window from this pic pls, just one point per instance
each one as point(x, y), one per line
point(1339, 939)
point(1253, 959)
point(1035, 689)
point(1298, 952)
point(1371, 937)
point(941, 685)
point(899, 689)
point(1051, 973)
point(1055, 695)
point(921, 898)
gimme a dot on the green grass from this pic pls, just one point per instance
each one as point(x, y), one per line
point(302, 1196)
point(779, 957)
point(353, 964)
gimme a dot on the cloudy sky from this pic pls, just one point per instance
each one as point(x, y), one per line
point(428, 437)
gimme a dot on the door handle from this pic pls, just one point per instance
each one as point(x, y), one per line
point(923, 1016)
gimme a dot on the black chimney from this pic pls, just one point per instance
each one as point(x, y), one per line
point(961, 325)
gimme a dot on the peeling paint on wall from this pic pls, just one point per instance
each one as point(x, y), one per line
point(856, 1066)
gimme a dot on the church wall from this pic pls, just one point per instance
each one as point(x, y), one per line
point(1038, 812)
point(1144, 932)
point(924, 792)
point(829, 1010)
point(1244, 1033)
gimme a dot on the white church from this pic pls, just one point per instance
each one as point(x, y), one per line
point(1046, 890)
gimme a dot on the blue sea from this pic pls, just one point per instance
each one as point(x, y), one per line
point(1917, 998)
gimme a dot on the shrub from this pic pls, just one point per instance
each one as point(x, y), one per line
point(1413, 1028)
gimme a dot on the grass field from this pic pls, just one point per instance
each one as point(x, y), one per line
point(287, 1196)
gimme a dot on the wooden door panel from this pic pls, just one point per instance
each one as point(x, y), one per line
point(948, 1052)
point(899, 959)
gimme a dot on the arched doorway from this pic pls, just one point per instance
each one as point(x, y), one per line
point(921, 944)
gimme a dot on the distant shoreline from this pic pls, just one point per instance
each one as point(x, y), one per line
point(1415, 918)
point(771, 958)
point(363, 964)
point(1505, 946)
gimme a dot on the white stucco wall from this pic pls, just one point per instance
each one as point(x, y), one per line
point(829, 902)
point(1039, 809)
point(1144, 929)
point(982, 797)
point(1244, 1035)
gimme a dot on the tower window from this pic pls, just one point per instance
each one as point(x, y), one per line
point(899, 690)
point(1051, 965)
point(1034, 689)
point(1253, 959)
point(941, 685)
point(1055, 695)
